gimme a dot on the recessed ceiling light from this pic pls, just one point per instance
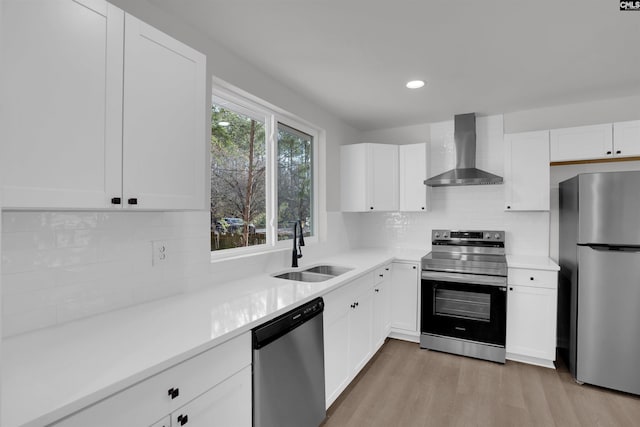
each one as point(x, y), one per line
point(415, 84)
point(223, 124)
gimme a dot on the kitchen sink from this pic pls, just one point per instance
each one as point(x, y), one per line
point(331, 270)
point(304, 276)
point(319, 273)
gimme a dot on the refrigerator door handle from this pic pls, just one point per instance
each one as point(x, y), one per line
point(606, 247)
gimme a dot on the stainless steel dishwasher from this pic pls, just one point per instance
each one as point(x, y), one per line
point(288, 369)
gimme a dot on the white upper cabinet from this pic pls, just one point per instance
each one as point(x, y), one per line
point(526, 176)
point(369, 175)
point(581, 143)
point(164, 121)
point(413, 173)
point(626, 139)
point(95, 118)
point(62, 95)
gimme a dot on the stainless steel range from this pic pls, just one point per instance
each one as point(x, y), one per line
point(464, 294)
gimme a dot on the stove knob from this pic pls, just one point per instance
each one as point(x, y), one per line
point(497, 236)
point(487, 236)
point(445, 236)
point(437, 235)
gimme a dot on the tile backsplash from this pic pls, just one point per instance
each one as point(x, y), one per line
point(61, 266)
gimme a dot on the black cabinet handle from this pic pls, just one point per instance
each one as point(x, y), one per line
point(414, 267)
point(618, 152)
point(371, 208)
point(116, 200)
point(353, 306)
point(377, 290)
point(173, 392)
point(608, 152)
point(386, 269)
point(381, 275)
point(422, 208)
point(183, 419)
point(530, 278)
point(508, 207)
point(132, 201)
point(356, 304)
point(510, 289)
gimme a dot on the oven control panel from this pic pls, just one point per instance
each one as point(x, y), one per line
point(468, 236)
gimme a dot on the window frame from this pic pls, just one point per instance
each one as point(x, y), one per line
point(224, 95)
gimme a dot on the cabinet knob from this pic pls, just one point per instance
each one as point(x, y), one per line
point(422, 208)
point(381, 275)
point(608, 153)
point(371, 208)
point(116, 200)
point(173, 392)
point(377, 290)
point(132, 201)
point(508, 207)
point(353, 305)
point(414, 267)
point(510, 288)
point(183, 419)
point(356, 304)
point(618, 152)
point(386, 269)
point(531, 278)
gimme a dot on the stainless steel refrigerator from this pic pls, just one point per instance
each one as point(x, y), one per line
point(599, 288)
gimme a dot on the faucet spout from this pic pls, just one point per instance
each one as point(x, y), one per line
point(297, 250)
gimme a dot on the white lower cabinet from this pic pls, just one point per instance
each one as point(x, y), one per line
point(206, 389)
point(531, 316)
point(404, 299)
point(227, 404)
point(381, 305)
point(347, 334)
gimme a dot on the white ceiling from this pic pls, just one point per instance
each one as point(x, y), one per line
point(353, 57)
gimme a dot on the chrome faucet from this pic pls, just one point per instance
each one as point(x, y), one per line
point(298, 242)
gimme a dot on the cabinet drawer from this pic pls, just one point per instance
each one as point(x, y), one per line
point(530, 277)
point(147, 401)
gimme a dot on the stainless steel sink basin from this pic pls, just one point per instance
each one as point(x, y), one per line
point(304, 276)
point(331, 270)
point(319, 273)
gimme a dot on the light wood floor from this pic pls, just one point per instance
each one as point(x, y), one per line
point(404, 385)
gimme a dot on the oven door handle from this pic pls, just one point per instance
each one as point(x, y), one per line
point(476, 279)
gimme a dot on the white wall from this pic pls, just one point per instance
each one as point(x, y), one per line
point(464, 207)
point(61, 266)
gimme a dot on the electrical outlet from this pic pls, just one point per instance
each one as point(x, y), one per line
point(159, 249)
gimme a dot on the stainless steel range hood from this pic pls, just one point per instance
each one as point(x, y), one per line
point(465, 172)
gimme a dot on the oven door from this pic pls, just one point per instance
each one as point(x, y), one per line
point(454, 306)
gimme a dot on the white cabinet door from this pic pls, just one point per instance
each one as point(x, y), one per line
point(62, 103)
point(413, 173)
point(581, 143)
point(404, 296)
point(164, 139)
point(369, 176)
point(626, 139)
point(360, 325)
point(527, 171)
point(336, 343)
point(531, 322)
point(381, 306)
point(227, 404)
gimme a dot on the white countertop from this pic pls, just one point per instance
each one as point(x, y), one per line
point(50, 373)
point(533, 262)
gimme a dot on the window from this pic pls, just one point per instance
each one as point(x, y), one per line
point(263, 176)
point(295, 181)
